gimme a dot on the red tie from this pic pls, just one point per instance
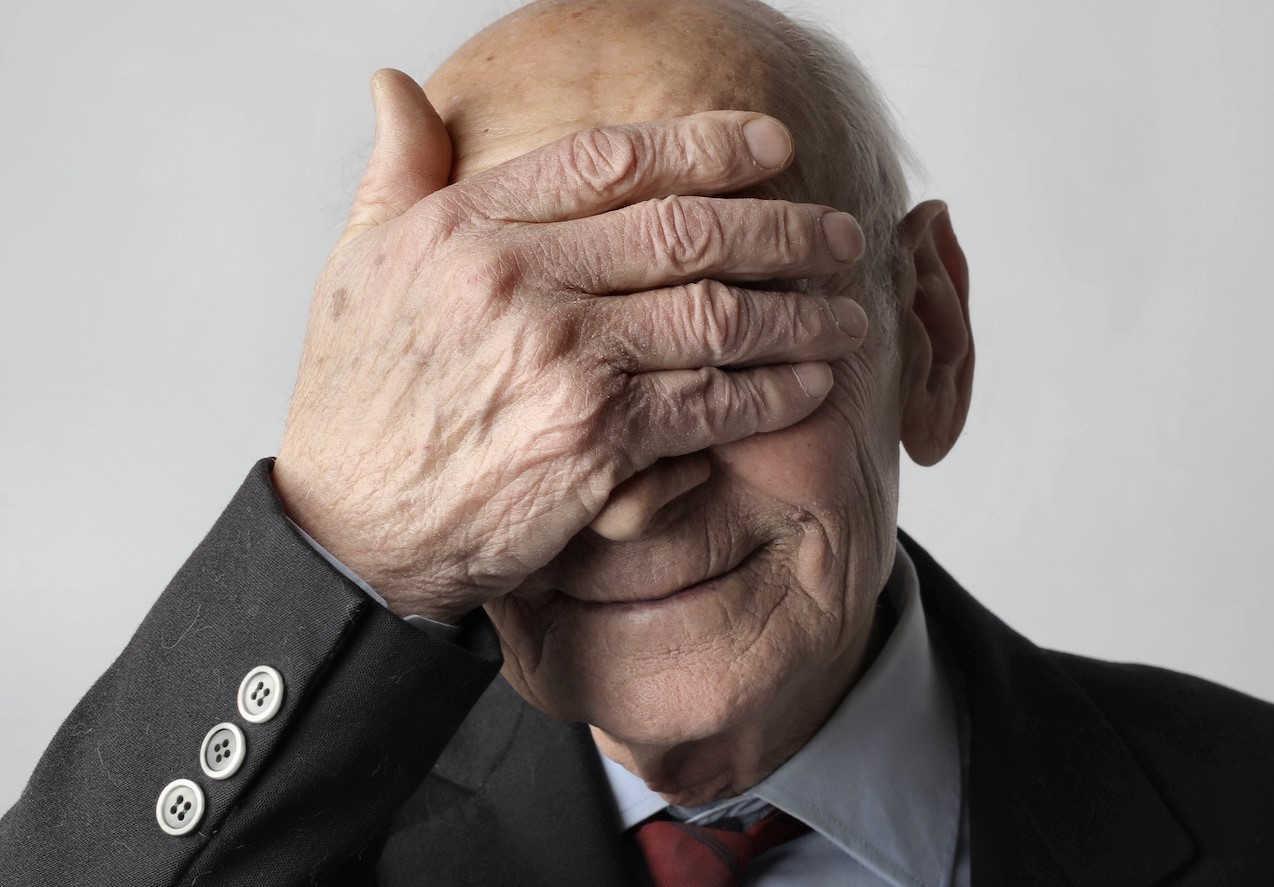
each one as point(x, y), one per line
point(682, 855)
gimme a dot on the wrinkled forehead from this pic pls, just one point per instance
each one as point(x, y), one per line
point(532, 78)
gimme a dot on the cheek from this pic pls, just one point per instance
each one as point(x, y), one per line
point(838, 468)
point(844, 453)
point(805, 466)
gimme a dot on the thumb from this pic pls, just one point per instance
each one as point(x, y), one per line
point(410, 160)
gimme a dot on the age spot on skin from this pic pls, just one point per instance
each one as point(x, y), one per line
point(340, 298)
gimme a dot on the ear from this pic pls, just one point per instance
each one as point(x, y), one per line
point(936, 338)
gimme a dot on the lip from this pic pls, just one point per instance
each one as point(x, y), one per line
point(662, 596)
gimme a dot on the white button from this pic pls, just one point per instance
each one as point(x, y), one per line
point(180, 807)
point(260, 694)
point(222, 751)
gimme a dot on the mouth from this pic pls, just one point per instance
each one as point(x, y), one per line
point(653, 596)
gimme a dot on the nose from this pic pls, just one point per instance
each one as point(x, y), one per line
point(628, 512)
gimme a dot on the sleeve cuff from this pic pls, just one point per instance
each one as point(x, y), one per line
point(442, 630)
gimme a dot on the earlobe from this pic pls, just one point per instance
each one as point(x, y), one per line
point(937, 372)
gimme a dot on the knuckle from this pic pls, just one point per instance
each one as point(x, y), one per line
point(606, 160)
point(701, 148)
point(790, 233)
point(685, 232)
point(610, 345)
point(444, 217)
point(697, 409)
point(661, 401)
point(571, 410)
point(566, 431)
point(647, 409)
point(799, 317)
point(725, 400)
point(444, 214)
point(497, 261)
point(489, 270)
point(718, 319)
point(703, 404)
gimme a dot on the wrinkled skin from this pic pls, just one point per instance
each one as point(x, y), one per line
point(510, 394)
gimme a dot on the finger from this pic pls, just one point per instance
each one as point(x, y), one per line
point(709, 323)
point(676, 239)
point(680, 411)
point(410, 160)
point(599, 169)
point(627, 513)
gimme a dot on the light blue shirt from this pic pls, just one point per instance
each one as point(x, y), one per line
point(880, 785)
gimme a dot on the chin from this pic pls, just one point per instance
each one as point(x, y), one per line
point(647, 702)
point(675, 710)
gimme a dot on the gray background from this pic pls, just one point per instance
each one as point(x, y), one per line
point(173, 177)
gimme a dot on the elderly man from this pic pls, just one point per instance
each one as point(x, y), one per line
point(620, 407)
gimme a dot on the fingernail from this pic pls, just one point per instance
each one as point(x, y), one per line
point(850, 316)
point(844, 238)
point(769, 142)
point(815, 378)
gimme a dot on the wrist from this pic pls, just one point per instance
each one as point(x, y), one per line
point(399, 591)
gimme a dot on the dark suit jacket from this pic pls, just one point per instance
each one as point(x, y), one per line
point(399, 759)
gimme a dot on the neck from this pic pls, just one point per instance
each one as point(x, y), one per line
point(695, 772)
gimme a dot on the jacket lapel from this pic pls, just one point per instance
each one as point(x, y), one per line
point(516, 798)
point(1055, 795)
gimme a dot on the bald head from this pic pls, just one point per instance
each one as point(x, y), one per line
point(557, 66)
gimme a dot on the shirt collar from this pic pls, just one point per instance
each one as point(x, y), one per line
point(882, 778)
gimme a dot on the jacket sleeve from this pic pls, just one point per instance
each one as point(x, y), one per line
point(369, 702)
